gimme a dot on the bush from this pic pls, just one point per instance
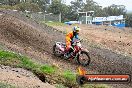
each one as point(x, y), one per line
point(7, 7)
point(129, 20)
point(27, 6)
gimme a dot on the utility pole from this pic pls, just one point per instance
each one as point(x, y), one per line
point(60, 17)
point(86, 17)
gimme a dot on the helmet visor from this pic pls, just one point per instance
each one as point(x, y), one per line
point(77, 31)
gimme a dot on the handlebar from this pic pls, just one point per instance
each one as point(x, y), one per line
point(78, 40)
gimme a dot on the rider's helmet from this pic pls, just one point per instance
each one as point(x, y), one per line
point(76, 29)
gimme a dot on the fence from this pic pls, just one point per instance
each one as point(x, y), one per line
point(37, 16)
point(43, 17)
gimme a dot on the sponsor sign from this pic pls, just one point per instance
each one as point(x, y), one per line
point(109, 18)
point(83, 78)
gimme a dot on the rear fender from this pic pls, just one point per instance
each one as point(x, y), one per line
point(59, 45)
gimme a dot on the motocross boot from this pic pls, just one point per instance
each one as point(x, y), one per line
point(67, 54)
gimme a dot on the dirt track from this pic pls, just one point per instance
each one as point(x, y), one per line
point(37, 42)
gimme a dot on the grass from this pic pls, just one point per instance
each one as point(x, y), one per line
point(69, 76)
point(48, 69)
point(57, 24)
point(54, 23)
point(5, 85)
point(16, 60)
point(65, 77)
point(13, 59)
point(95, 86)
point(60, 86)
point(6, 7)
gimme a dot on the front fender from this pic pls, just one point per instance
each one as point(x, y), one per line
point(83, 49)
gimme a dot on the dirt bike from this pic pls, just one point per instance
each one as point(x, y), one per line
point(79, 54)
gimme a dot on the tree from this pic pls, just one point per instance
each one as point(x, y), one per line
point(4, 2)
point(41, 3)
point(115, 10)
point(67, 12)
point(93, 6)
point(129, 20)
point(77, 5)
point(13, 2)
point(55, 7)
point(28, 6)
point(10, 2)
point(70, 14)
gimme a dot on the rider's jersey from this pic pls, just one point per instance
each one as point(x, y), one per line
point(70, 37)
point(74, 38)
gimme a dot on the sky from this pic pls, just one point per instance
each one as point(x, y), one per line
point(104, 3)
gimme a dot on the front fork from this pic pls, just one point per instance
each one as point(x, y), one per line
point(77, 56)
point(78, 53)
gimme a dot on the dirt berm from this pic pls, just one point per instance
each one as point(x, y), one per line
point(17, 31)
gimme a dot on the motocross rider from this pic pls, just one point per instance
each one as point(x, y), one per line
point(69, 40)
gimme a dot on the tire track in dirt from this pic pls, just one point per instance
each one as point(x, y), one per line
point(108, 62)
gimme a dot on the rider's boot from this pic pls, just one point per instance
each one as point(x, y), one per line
point(67, 54)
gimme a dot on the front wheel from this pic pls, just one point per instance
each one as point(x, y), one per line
point(83, 58)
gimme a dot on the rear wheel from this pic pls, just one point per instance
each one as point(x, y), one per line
point(83, 58)
point(56, 51)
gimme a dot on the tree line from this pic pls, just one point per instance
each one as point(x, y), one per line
point(69, 12)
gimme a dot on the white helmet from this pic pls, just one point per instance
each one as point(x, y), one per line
point(76, 29)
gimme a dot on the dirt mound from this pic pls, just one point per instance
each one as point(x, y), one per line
point(21, 36)
point(21, 33)
point(18, 32)
point(21, 78)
